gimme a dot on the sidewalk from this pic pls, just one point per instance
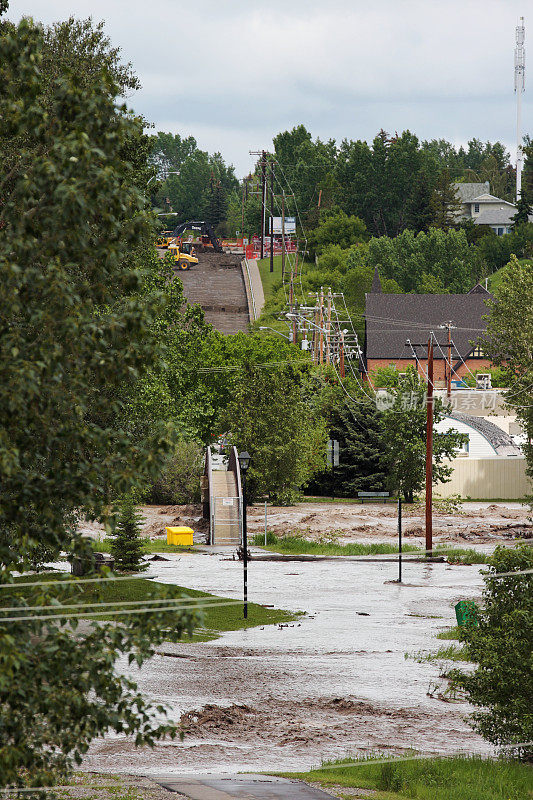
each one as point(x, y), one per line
point(243, 787)
point(256, 289)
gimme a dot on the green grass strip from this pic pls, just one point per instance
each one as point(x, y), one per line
point(454, 778)
point(298, 545)
point(216, 618)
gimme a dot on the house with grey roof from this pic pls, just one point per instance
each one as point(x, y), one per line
point(393, 319)
point(479, 205)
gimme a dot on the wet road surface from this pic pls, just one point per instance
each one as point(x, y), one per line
point(246, 787)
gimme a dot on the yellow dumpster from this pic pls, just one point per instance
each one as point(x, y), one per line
point(180, 535)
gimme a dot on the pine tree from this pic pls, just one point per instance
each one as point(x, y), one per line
point(523, 210)
point(127, 547)
point(445, 205)
point(363, 462)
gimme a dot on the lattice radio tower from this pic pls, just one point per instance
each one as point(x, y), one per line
point(519, 86)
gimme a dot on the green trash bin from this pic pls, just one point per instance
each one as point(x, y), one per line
point(465, 612)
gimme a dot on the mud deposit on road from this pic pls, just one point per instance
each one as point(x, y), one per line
point(473, 524)
point(288, 697)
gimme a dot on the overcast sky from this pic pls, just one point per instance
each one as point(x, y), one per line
point(233, 73)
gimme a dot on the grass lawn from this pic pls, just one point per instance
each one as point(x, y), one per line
point(216, 618)
point(150, 546)
point(427, 779)
point(268, 278)
point(298, 545)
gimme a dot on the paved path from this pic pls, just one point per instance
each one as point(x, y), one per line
point(217, 284)
point(257, 289)
point(243, 787)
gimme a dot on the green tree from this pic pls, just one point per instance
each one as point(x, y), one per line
point(127, 547)
point(404, 426)
point(523, 211)
point(338, 228)
point(446, 255)
point(509, 343)
point(75, 338)
point(269, 416)
point(362, 455)
point(500, 645)
point(445, 205)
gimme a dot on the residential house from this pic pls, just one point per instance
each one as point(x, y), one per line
point(392, 319)
point(479, 205)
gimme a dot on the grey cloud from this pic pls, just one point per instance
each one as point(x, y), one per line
point(236, 72)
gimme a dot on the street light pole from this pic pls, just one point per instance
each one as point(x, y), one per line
point(244, 461)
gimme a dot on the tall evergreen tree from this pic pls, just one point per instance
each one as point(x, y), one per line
point(523, 210)
point(362, 456)
point(445, 205)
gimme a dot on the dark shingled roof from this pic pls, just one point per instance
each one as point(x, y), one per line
point(393, 318)
point(501, 441)
point(376, 282)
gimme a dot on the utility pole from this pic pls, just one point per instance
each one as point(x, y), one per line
point(272, 215)
point(263, 201)
point(282, 234)
point(449, 370)
point(448, 363)
point(328, 328)
point(321, 325)
point(341, 354)
point(429, 451)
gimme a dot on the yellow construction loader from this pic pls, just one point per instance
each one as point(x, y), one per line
point(183, 254)
point(165, 239)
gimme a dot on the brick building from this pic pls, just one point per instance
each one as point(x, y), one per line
point(391, 319)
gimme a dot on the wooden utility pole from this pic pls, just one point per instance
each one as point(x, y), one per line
point(449, 365)
point(429, 452)
point(272, 215)
point(321, 327)
point(328, 328)
point(263, 201)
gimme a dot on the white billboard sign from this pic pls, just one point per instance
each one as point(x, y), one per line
point(290, 225)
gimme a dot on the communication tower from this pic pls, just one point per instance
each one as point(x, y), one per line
point(519, 86)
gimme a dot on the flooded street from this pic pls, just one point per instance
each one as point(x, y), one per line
point(334, 682)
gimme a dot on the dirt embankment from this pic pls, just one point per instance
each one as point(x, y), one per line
point(156, 519)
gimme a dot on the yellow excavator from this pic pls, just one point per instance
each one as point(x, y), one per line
point(183, 254)
point(165, 239)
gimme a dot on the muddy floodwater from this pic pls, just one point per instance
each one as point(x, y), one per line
point(333, 683)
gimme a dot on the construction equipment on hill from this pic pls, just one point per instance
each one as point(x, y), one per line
point(209, 238)
point(183, 254)
point(164, 239)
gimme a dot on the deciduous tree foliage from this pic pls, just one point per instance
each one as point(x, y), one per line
point(74, 334)
point(269, 416)
point(501, 685)
point(509, 343)
point(404, 436)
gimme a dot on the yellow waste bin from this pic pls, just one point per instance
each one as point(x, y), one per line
point(180, 535)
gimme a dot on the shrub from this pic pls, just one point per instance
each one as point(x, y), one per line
point(179, 481)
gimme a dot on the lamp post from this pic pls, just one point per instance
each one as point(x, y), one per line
point(173, 172)
point(244, 461)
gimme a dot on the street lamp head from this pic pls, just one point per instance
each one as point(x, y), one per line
point(244, 460)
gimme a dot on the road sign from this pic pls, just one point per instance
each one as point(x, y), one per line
point(333, 453)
